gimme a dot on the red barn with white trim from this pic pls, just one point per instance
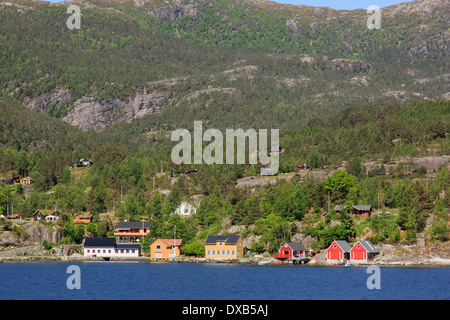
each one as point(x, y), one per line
point(363, 251)
point(338, 251)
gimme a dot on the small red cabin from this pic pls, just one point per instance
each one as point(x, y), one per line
point(360, 211)
point(291, 249)
point(338, 251)
point(363, 251)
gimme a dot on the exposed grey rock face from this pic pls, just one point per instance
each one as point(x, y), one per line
point(38, 232)
point(351, 65)
point(42, 103)
point(87, 113)
point(173, 11)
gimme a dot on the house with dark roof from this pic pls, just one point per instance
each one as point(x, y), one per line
point(132, 232)
point(360, 211)
point(108, 248)
point(338, 251)
point(363, 251)
point(224, 246)
point(292, 250)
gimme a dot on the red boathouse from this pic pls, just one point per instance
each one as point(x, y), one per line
point(363, 251)
point(338, 251)
point(290, 250)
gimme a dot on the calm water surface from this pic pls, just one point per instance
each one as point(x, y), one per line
point(153, 281)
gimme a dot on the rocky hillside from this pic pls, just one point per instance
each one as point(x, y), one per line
point(230, 62)
point(31, 233)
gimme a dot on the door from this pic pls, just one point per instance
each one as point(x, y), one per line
point(334, 254)
point(158, 254)
point(358, 255)
point(171, 254)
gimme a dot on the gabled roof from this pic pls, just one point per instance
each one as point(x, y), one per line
point(296, 246)
point(133, 225)
point(367, 245)
point(229, 239)
point(363, 208)
point(56, 213)
point(343, 245)
point(127, 246)
point(171, 242)
point(99, 242)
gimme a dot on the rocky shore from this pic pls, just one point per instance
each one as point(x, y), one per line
point(433, 254)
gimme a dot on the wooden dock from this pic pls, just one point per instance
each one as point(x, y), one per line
point(298, 260)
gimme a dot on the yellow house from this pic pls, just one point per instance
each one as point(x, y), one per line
point(230, 246)
point(165, 248)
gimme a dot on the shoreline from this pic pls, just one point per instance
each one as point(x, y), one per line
point(241, 261)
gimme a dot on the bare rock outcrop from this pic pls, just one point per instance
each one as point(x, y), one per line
point(88, 113)
point(38, 232)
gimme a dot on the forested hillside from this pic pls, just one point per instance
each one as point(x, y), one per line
point(126, 179)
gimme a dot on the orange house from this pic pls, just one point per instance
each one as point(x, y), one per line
point(24, 181)
point(165, 248)
point(84, 218)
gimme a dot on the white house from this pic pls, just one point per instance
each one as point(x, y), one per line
point(107, 248)
point(185, 209)
point(54, 216)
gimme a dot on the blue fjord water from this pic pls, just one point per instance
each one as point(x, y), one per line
point(161, 281)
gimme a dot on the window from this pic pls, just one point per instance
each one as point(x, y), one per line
point(358, 246)
point(228, 252)
point(232, 252)
point(223, 252)
point(158, 247)
point(209, 252)
point(87, 251)
point(213, 252)
point(220, 243)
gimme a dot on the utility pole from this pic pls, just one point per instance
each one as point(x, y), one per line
point(174, 241)
point(328, 201)
point(378, 202)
